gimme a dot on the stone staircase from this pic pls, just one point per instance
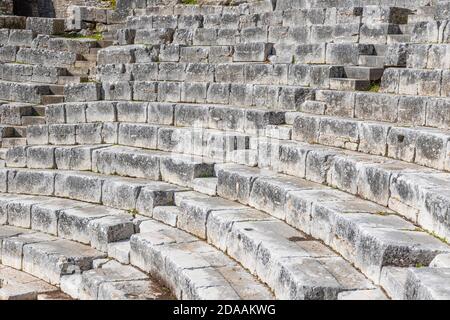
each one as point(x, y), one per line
point(268, 150)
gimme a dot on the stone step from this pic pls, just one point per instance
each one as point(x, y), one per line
point(69, 216)
point(51, 99)
point(427, 83)
point(156, 165)
point(43, 256)
point(6, 131)
point(420, 145)
point(94, 225)
point(78, 46)
point(408, 111)
point(13, 22)
point(39, 111)
point(31, 73)
point(63, 80)
point(32, 120)
point(393, 231)
point(57, 89)
point(181, 16)
point(266, 246)
point(349, 84)
point(363, 73)
point(23, 92)
point(191, 268)
point(213, 144)
point(314, 107)
point(19, 132)
point(254, 187)
point(48, 26)
point(11, 113)
point(46, 57)
point(275, 97)
point(13, 142)
point(221, 117)
point(17, 38)
point(18, 285)
point(390, 195)
point(426, 284)
point(80, 71)
point(205, 185)
point(114, 281)
point(80, 271)
point(371, 61)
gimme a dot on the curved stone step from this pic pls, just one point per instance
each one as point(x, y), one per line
point(114, 281)
point(181, 169)
point(393, 108)
point(18, 285)
point(221, 117)
point(18, 245)
point(191, 268)
point(363, 232)
point(293, 265)
point(80, 271)
point(76, 225)
point(372, 177)
point(420, 145)
point(393, 240)
point(45, 256)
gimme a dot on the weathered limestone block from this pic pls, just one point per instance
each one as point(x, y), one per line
point(113, 72)
point(252, 52)
point(144, 71)
point(37, 134)
point(195, 209)
point(81, 92)
point(340, 53)
point(61, 134)
point(182, 170)
point(401, 143)
point(41, 157)
point(110, 229)
point(194, 92)
point(160, 113)
point(310, 53)
point(31, 182)
point(376, 107)
point(88, 133)
point(156, 195)
point(138, 135)
point(132, 112)
point(121, 90)
point(51, 260)
point(79, 186)
point(12, 248)
point(45, 25)
point(45, 216)
point(154, 36)
point(127, 162)
point(426, 284)
point(101, 111)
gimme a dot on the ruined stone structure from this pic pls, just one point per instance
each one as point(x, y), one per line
point(269, 149)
